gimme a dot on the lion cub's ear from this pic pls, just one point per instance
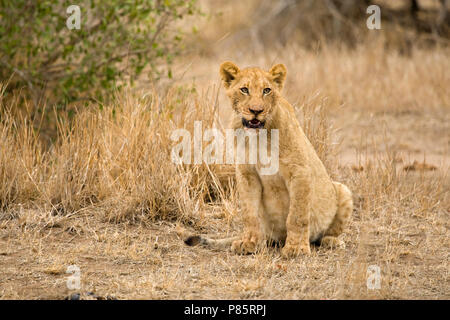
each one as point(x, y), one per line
point(278, 73)
point(228, 72)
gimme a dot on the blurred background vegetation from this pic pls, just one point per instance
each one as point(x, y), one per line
point(117, 42)
point(120, 41)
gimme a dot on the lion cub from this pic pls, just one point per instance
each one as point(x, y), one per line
point(297, 205)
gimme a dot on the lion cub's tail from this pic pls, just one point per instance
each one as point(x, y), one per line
point(194, 240)
point(211, 243)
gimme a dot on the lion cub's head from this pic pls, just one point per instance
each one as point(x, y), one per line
point(253, 92)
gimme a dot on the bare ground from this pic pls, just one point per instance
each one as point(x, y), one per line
point(147, 260)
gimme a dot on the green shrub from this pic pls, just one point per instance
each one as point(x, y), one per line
point(118, 40)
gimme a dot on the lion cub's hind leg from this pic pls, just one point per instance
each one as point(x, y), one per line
point(343, 214)
point(248, 245)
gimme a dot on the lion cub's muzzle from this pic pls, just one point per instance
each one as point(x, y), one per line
point(253, 124)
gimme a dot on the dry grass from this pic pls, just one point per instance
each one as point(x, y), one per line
point(106, 197)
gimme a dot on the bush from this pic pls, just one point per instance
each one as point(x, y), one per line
point(117, 40)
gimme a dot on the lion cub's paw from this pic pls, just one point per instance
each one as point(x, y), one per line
point(332, 242)
point(290, 251)
point(244, 247)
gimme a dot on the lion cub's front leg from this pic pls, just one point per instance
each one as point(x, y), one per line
point(297, 224)
point(250, 193)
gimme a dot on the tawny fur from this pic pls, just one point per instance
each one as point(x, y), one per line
point(299, 204)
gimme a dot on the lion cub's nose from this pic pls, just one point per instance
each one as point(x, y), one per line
point(255, 111)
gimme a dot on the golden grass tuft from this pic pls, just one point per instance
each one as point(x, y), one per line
point(117, 159)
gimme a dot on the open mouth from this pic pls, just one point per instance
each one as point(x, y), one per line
point(254, 123)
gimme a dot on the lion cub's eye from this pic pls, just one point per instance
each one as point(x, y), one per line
point(244, 90)
point(266, 90)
